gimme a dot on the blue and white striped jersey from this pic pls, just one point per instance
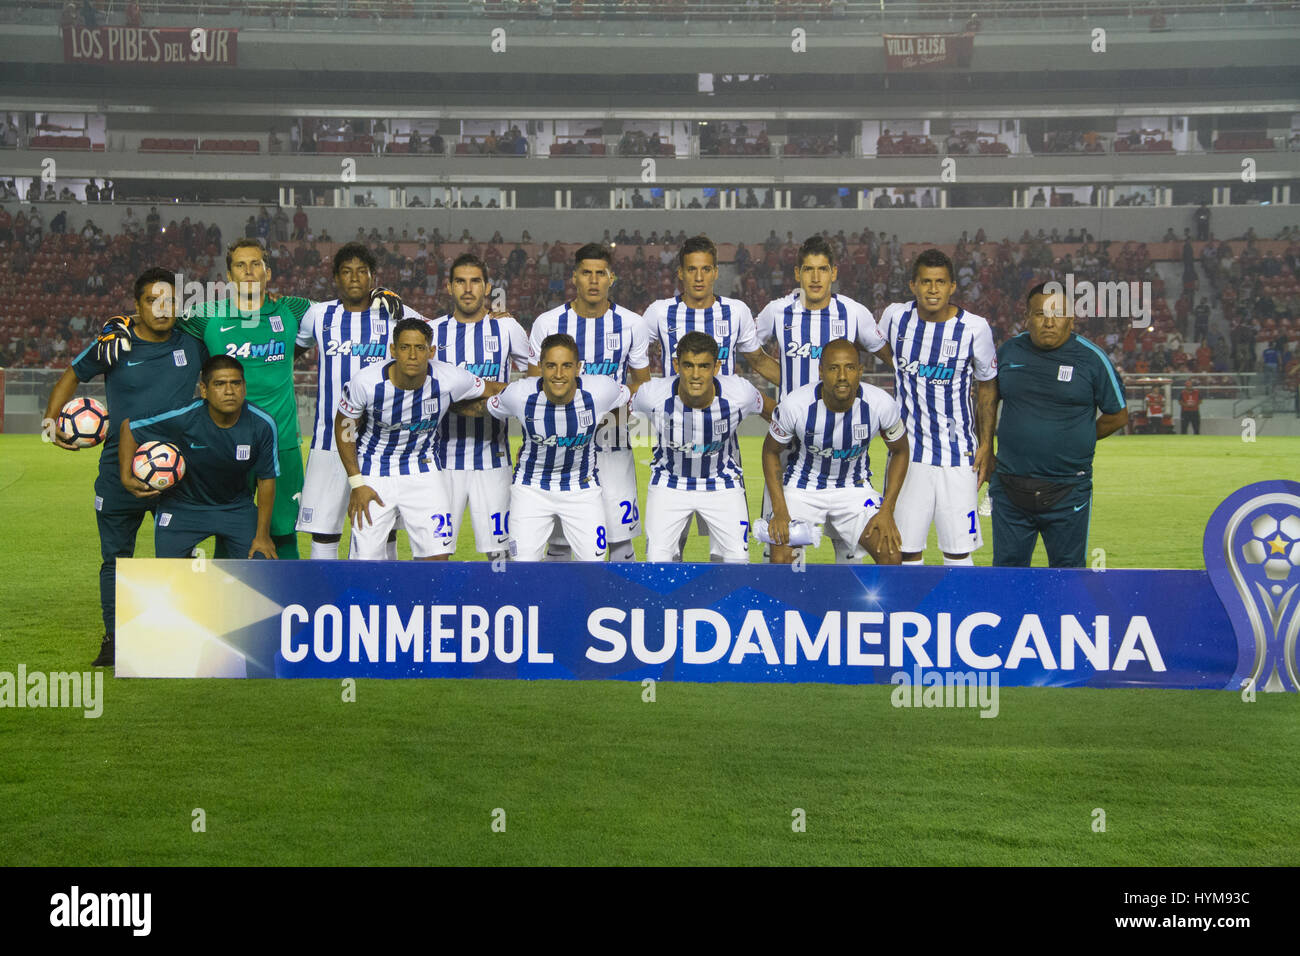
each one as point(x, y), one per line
point(697, 449)
point(398, 429)
point(346, 343)
point(934, 365)
point(729, 321)
point(831, 449)
point(608, 345)
point(801, 333)
point(559, 449)
point(486, 348)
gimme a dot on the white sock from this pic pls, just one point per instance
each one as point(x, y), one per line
point(324, 550)
point(915, 563)
point(621, 551)
point(390, 549)
point(966, 562)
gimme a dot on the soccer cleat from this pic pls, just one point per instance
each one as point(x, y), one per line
point(106, 657)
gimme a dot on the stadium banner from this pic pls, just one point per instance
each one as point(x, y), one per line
point(151, 46)
point(1230, 627)
point(928, 51)
point(692, 622)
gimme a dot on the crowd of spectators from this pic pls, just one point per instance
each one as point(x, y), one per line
point(722, 139)
point(62, 280)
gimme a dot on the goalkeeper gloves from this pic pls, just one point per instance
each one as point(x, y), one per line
point(390, 300)
point(114, 340)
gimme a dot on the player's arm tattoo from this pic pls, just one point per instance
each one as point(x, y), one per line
point(764, 365)
point(1109, 424)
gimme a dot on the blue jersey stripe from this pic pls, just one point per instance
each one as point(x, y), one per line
point(140, 423)
point(1110, 370)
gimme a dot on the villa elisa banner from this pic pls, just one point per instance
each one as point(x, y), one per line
point(928, 51)
point(152, 46)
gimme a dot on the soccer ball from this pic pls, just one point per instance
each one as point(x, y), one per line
point(1274, 544)
point(158, 464)
point(85, 420)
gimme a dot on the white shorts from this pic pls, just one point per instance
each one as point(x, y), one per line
point(421, 502)
point(324, 502)
point(487, 492)
point(843, 512)
point(534, 514)
point(946, 495)
point(668, 510)
point(617, 472)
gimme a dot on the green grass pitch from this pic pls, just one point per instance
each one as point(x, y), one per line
point(286, 773)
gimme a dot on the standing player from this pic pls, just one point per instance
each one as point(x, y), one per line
point(159, 373)
point(939, 349)
point(612, 342)
point(228, 444)
point(386, 431)
point(557, 477)
point(475, 451)
point(695, 469)
point(827, 480)
point(350, 333)
point(803, 322)
point(697, 309)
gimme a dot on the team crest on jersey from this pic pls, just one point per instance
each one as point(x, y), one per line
point(306, 516)
point(277, 324)
point(430, 407)
point(99, 503)
point(724, 327)
point(241, 452)
point(179, 358)
point(948, 350)
point(613, 341)
point(164, 519)
point(861, 432)
point(1065, 373)
point(838, 331)
point(586, 419)
point(379, 326)
point(490, 343)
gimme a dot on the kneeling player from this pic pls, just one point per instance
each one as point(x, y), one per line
point(386, 431)
point(556, 478)
point(225, 440)
point(827, 479)
point(695, 469)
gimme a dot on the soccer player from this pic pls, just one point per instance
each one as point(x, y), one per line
point(557, 477)
point(939, 349)
point(802, 323)
point(695, 469)
point(697, 309)
point(827, 481)
point(611, 342)
point(159, 373)
point(1053, 384)
point(225, 441)
point(350, 333)
point(386, 431)
point(261, 334)
point(475, 451)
